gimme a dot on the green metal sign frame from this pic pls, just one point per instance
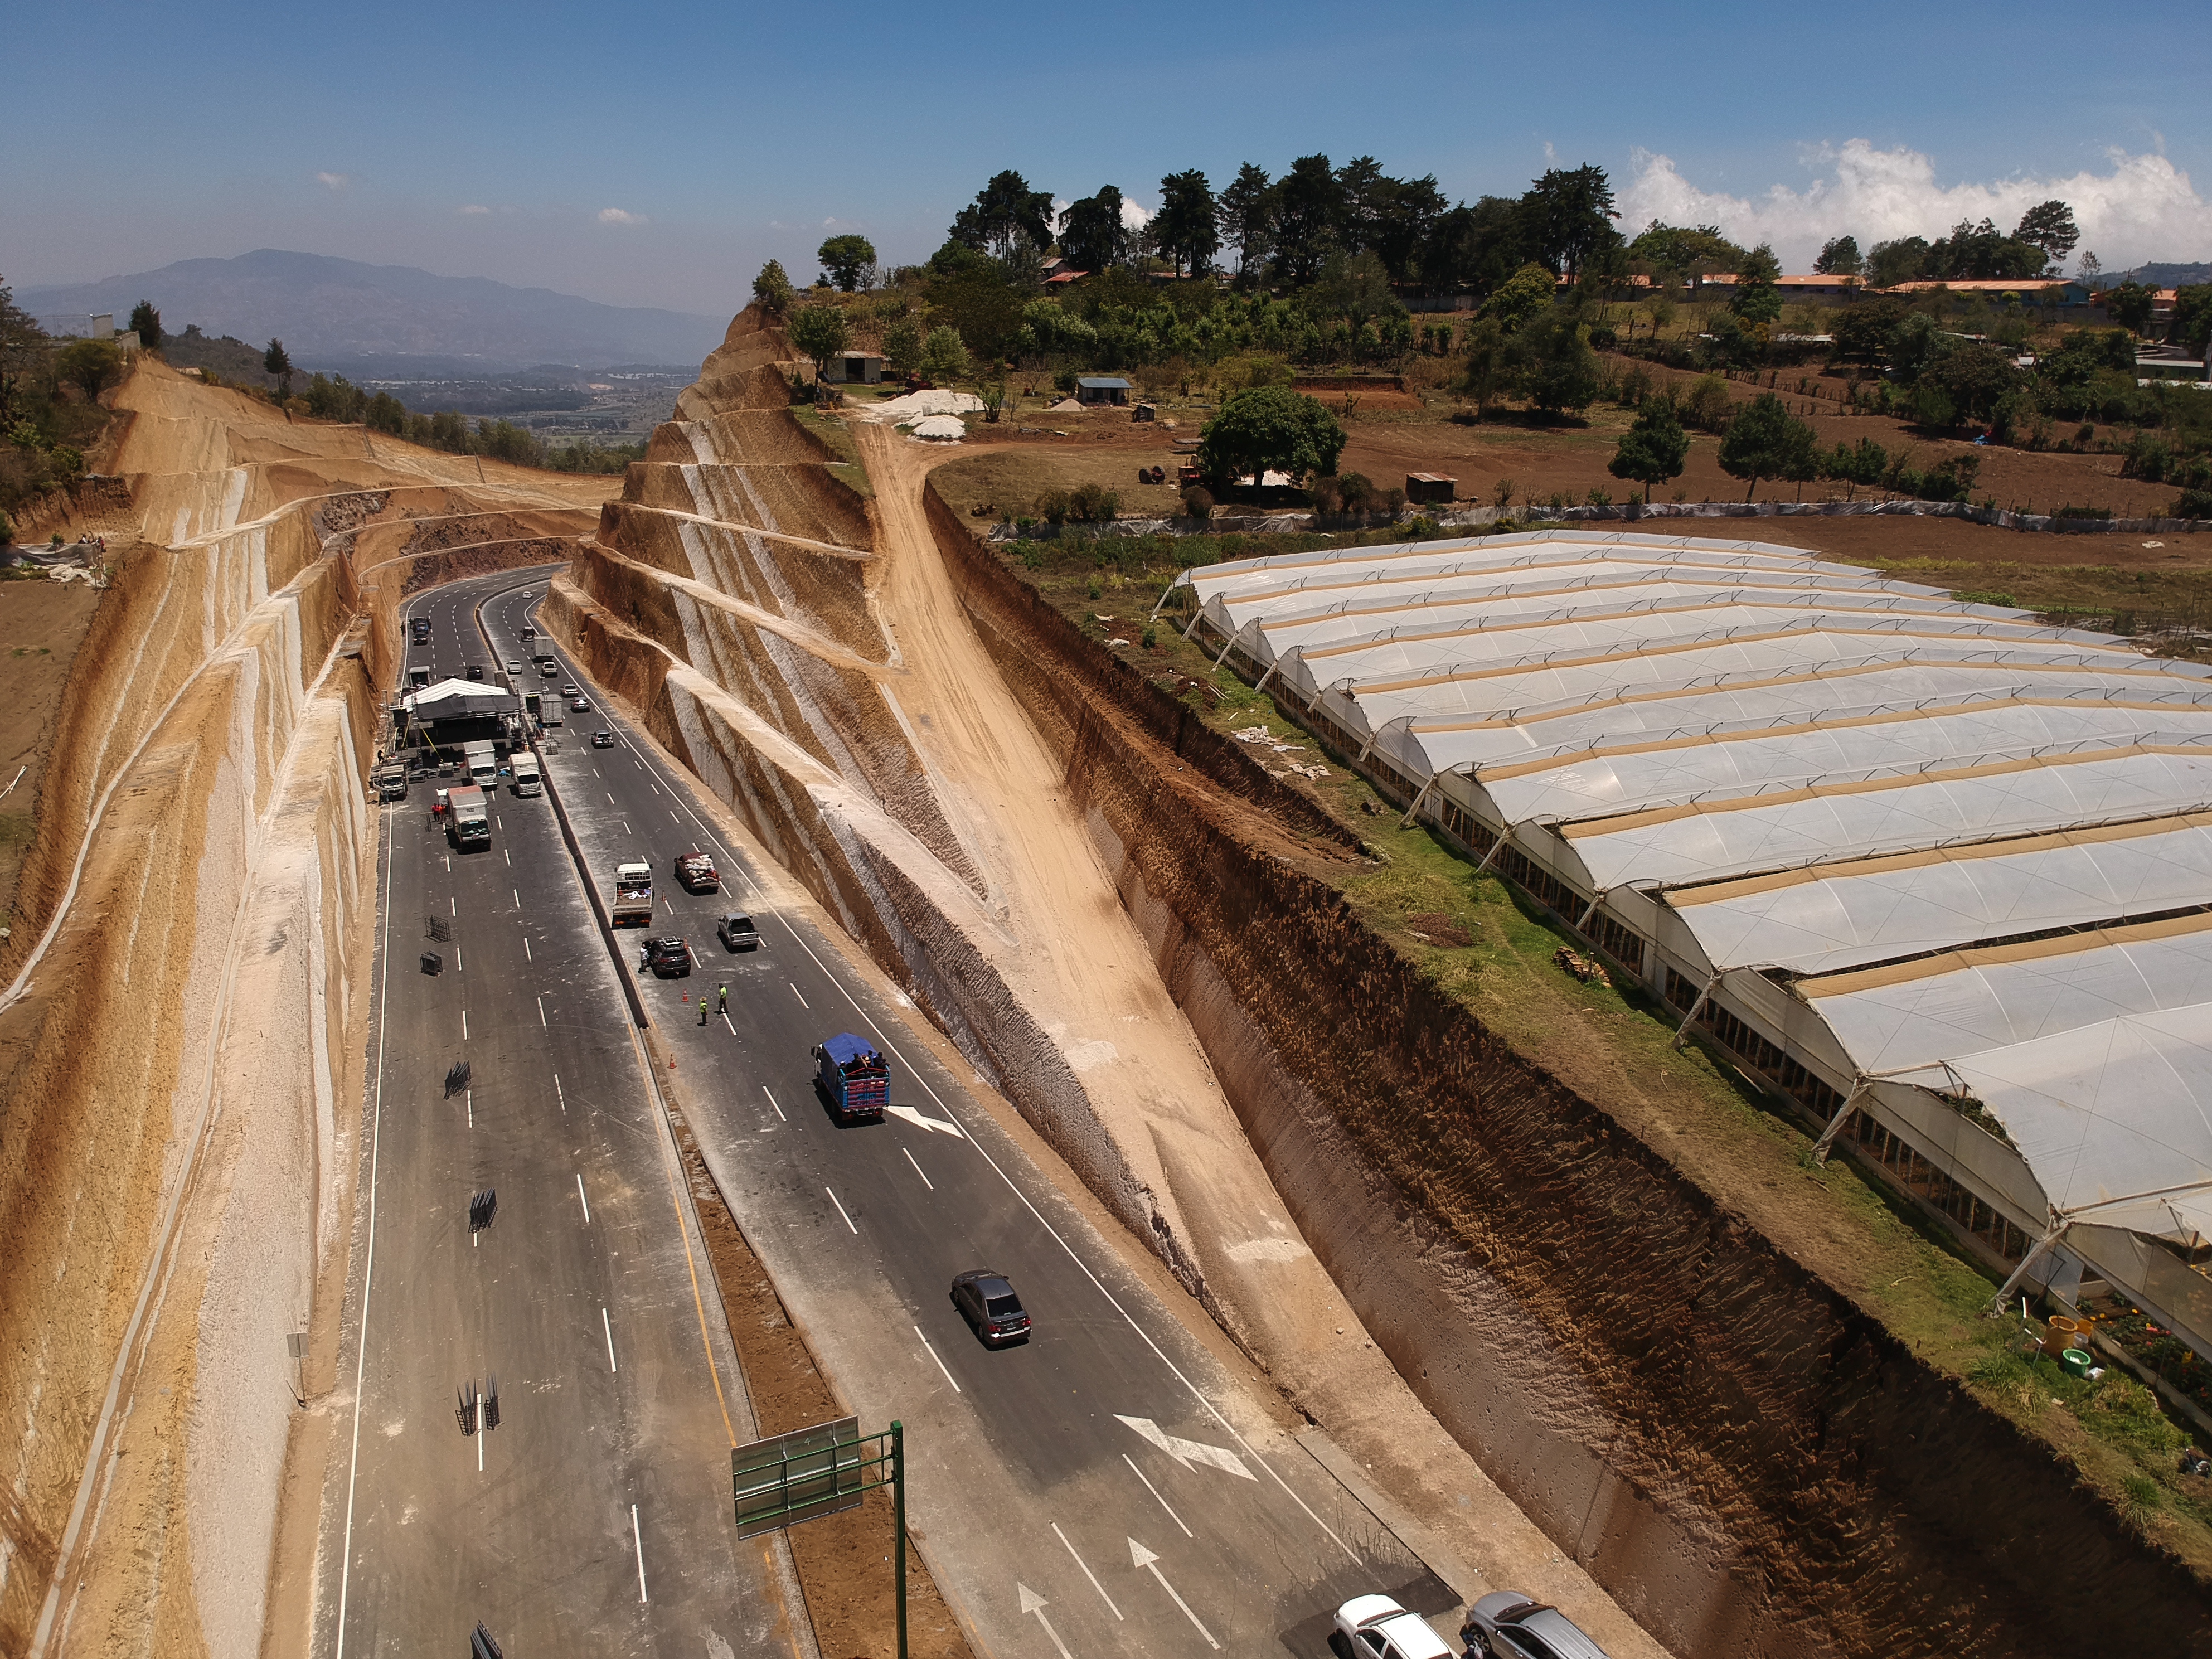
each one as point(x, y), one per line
point(824, 1470)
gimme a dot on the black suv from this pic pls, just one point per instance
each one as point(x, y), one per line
point(667, 957)
point(987, 1301)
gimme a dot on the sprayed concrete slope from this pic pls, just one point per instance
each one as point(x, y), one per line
point(181, 1036)
point(814, 667)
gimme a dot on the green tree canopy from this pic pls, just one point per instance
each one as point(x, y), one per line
point(1757, 300)
point(820, 331)
point(2193, 317)
point(23, 346)
point(1527, 292)
point(276, 360)
point(1268, 428)
point(2049, 226)
point(1901, 260)
point(1569, 218)
point(1863, 465)
point(846, 259)
point(772, 290)
point(1092, 236)
point(1653, 451)
point(1558, 370)
point(1006, 216)
point(91, 366)
point(2129, 306)
point(1184, 229)
point(903, 346)
point(1839, 257)
point(1245, 215)
point(1765, 441)
point(1679, 252)
point(146, 324)
point(943, 357)
point(1306, 211)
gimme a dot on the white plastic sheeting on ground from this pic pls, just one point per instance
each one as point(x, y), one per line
point(1978, 848)
point(917, 405)
point(940, 428)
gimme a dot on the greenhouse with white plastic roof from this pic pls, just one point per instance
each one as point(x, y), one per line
point(1938, 873)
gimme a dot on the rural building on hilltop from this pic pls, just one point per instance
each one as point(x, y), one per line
point(855, 369)
point(1101, 389)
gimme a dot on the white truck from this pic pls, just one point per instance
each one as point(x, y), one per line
point(527, 777)
point(482, 760)
point(468, 818)
point(633, 905)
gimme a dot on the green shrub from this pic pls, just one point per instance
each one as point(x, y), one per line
point(1706, 405)
point(1052, 506)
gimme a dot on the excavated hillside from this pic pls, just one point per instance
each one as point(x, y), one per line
point(1115, 915)
point(182, 1024)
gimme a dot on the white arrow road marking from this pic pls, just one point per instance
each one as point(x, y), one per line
point(1141, 1556)
point(936, 1125)
point(1032, 1602)
point(1187, 1452)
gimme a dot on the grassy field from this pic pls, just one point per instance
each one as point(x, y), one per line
point(1616, 1049)
point(834, 432)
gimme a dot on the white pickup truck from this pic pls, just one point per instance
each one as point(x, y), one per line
point(633, 904)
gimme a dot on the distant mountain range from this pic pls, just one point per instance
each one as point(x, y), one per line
point(2161, 276)
point(331, 311)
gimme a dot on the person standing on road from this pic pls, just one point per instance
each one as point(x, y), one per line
point(722, 1003)
point(702, 1009)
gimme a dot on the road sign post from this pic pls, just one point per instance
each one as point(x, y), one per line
point(810, 1472)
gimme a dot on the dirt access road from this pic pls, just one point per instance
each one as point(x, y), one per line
point(1069, 945)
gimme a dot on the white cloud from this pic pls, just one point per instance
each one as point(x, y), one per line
point(474, 210)
point(1133, 216)
point(333, 182)
point(622, 216)
point(2145, 208)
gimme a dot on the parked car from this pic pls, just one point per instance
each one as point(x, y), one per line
point(603, 739)
point(580, 705)
point(667, 957)
point(1376, 1627)
point(987, 1301)
point(736, 933)
point(696, 872)
point(1507, 1625)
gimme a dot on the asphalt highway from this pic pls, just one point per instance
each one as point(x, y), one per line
point(1105, 1489)
point(594, 1518)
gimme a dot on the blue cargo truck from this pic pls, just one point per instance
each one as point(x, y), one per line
point(853, 1078)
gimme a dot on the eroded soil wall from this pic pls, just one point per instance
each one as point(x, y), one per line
point(1746, 1460)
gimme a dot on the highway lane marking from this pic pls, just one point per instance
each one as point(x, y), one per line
point(949, 1378)
point(469, 1097)
point(605, 1323)
point(627, 830)
point(1087, 1573)
point(452, 906)
point(610, 798)
point(841, 1211)
point(725, 1020)
point(508, 856)
point(771, 1098)
point(516, 895)
point(1185, 1452)
point(581, 1199)
point(1032, 1602)
point(464, 1025)
point(672, 813)
point(1141, 1556)
point(457, 958)
point(1155, 1492)
point(1072, 1254)
point(526, 955)
point(935, 1126)
point(802, 1002)
point(926, 1181)
point(368, 1269)
point(637, 1540)
point(559, 1092)
point(542, 1025)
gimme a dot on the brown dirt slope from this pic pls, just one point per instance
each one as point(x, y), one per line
point(180, 1033)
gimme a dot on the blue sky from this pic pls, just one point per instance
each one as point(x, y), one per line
point(656, 154)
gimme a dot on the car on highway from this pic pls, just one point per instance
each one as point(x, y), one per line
point(476, 670)
point(1507, 1625)
point(570, 690)
point(696, 872)
point(580, 705)
point(668, 957)
point(548, 670)
point(514, 664)
point(987, 1301)
point(603, 739)
point(736, 933)
point(1376, 1627)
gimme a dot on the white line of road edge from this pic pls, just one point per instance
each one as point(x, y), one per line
point(1196, 1393)
point(1087, 1573)
point(368, 1269)
point(941, 1365)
